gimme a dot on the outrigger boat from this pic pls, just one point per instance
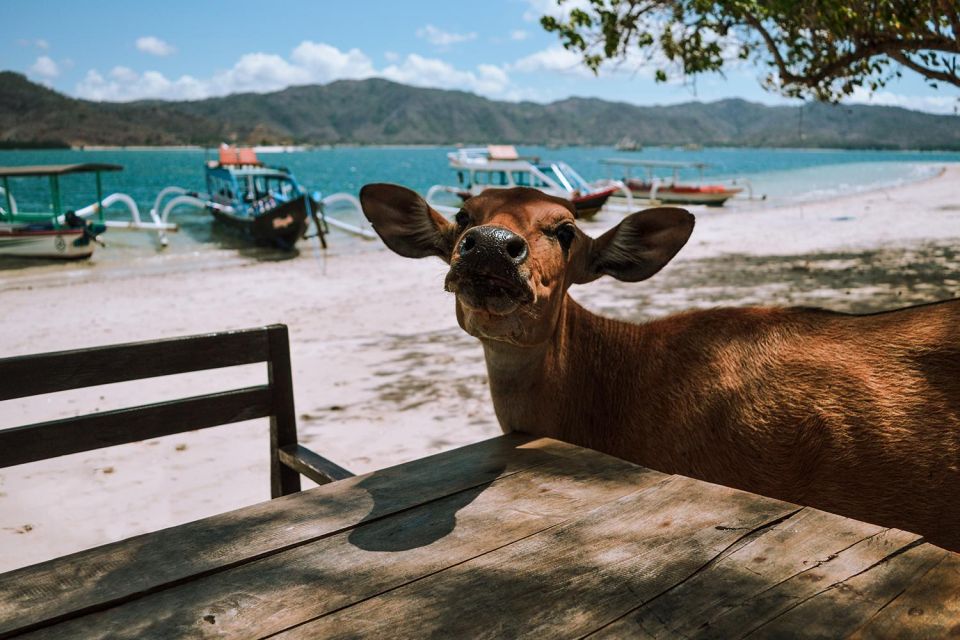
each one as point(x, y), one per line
point(60, 233)
point(670, 190)
point(500, 167)
point(266, 204)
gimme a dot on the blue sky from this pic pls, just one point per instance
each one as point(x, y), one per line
point(103, 50)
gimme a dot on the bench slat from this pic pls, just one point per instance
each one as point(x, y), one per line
point(32, 375)
point(72, 435)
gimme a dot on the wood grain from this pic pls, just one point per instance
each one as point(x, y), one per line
point(928, 608)
point(97, 578)
point(286, 589)
point(771, 573)
point(838, 609)
point(569, 580)
point(314, 466)
point(283, 418)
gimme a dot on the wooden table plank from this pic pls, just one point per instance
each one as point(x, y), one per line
point(742, 589)
point(105, 575)
point(569, 580)
point(928, 608)
point(841, 608)
point(289, 588)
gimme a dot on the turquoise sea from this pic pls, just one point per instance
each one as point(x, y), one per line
point(782, 175)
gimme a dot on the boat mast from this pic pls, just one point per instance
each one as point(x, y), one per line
point(55, 198)
point(6, 191)
point(99, 196)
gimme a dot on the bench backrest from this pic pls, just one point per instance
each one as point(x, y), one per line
point(30, 375)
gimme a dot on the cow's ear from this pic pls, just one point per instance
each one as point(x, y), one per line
point(406, 223)
point(639, 246)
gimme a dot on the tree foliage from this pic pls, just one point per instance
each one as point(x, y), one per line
point(816, 48)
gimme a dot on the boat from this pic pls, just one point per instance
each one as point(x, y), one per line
point(671, 190)
point(627, 143)
point(501, 167)
point(58, 232)
point(265, 204)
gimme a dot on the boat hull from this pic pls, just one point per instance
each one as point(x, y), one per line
point(690, 195)
point(60, 244)
point(280, 226)
point(587, 206)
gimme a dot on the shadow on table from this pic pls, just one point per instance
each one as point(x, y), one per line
point(418, 527)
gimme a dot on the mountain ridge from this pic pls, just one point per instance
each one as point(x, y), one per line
point(392, 113)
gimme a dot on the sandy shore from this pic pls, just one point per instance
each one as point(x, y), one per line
point(381, 370)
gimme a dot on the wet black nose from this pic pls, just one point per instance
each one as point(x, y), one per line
point(489, 242)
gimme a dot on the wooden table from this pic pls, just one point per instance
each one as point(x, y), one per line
point(509, 537)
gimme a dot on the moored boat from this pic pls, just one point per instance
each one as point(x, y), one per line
point(500, 167)
point(627, 143)
point(59, 232)
point(671, 190)
point(265, 203)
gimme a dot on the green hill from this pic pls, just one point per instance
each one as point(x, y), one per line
point(377, 111)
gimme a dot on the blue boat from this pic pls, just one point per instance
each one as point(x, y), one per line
point(266, 204)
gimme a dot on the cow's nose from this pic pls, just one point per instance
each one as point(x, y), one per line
point(493, 242)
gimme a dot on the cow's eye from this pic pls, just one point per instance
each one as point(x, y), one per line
point(462, 218)
point(565, 235)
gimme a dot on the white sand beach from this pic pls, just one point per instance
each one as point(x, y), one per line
point(382, 372)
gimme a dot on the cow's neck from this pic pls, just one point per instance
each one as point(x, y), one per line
point(566, 388)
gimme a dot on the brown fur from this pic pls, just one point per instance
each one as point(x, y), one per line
point(857, 415)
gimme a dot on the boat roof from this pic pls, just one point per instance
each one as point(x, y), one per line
point(56, 169)
point(655, 163)
point(238, 156)
point(250, 170)
point(491, 157)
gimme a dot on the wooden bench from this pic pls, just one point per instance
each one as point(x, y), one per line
point(32, 375)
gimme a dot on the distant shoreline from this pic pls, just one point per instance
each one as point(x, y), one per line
point(297, 148)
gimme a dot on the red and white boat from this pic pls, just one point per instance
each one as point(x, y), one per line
point(671, 190)
point(500, 167)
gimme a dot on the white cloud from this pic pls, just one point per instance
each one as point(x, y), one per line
point(39, 43)
point(519, 34)
point(45, 68)
point(539, 8)
point(154, 46)
point(442, 38)
point(432, 72)
point(123, 74)
point(555, 58)
point(310, 62)
point(942, 104)
point(124, 85)
point(325, 63)
point(258, 72)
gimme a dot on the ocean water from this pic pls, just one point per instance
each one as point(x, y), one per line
point(780, 175)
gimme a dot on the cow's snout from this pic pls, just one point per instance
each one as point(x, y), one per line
point(491, 243)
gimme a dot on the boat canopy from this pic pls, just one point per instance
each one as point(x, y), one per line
point(230, 155)
point(244, 171)
point(655, 163)
point(56, 169)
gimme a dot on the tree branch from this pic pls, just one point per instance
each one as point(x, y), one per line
point(933, 74)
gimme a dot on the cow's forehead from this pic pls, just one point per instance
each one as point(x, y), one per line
point(522, 204)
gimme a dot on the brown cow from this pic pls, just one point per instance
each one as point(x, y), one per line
point(857, 415)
